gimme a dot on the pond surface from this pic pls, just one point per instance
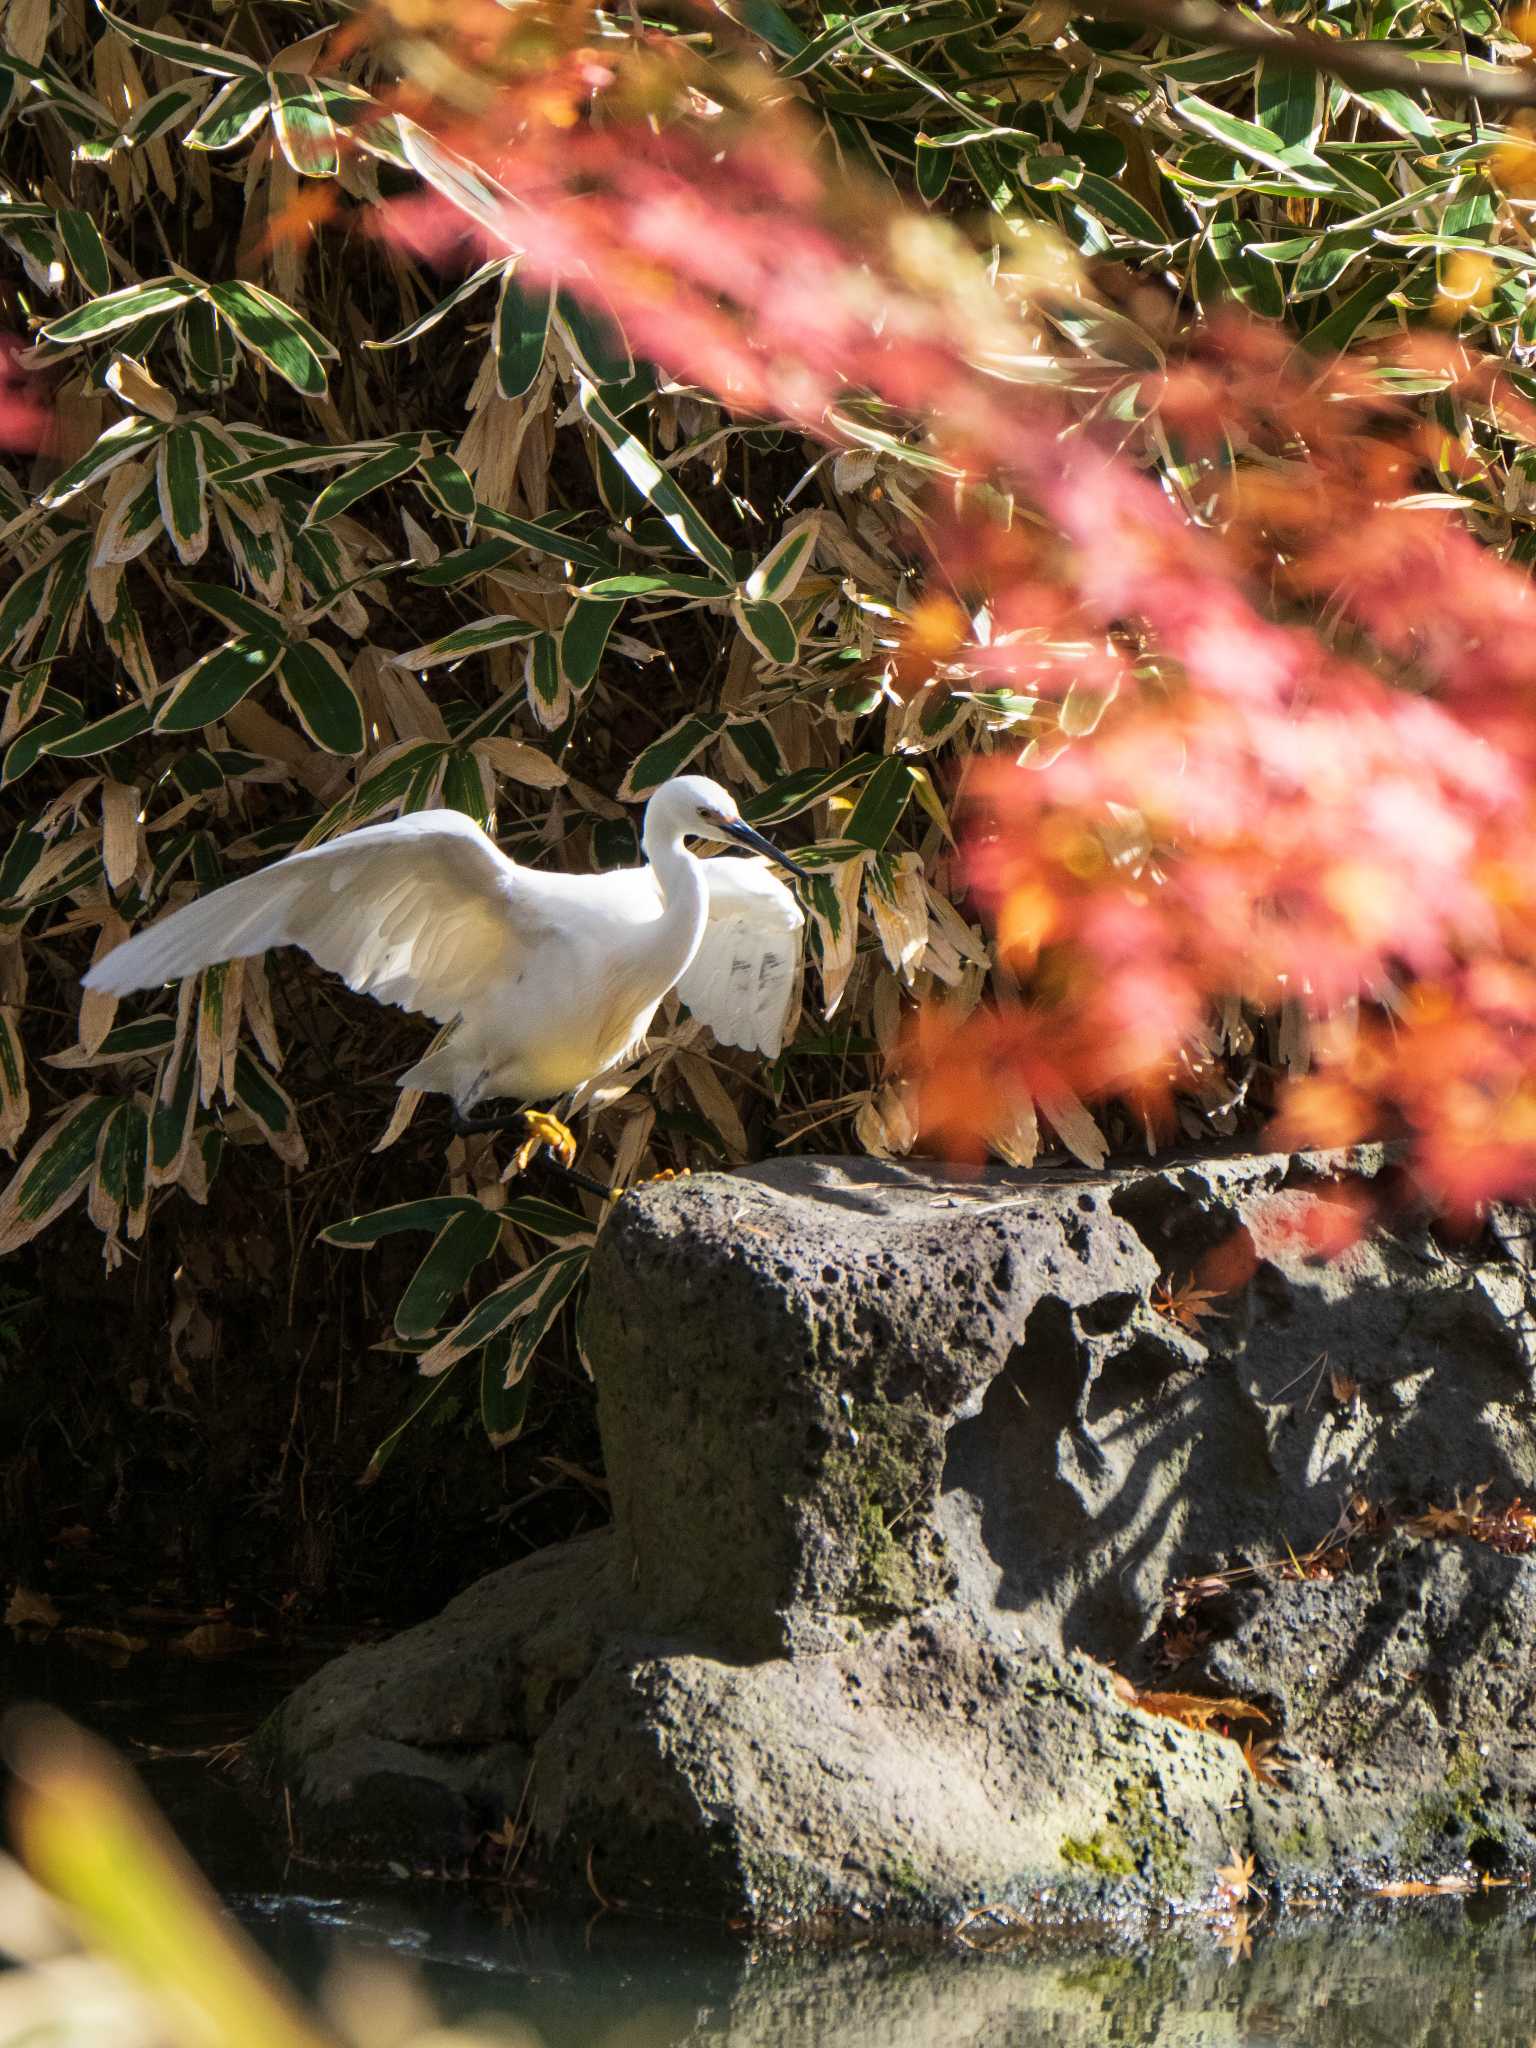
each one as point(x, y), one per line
point(1436, 1973)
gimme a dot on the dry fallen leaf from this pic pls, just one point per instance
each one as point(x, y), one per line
point(1186, 1305)
point(1236, 1877)
point(31, 1610)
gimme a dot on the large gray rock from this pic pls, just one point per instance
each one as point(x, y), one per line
point(901, 1463)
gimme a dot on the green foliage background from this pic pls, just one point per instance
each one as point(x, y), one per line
point(325, 536)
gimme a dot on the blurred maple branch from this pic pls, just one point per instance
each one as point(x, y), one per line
point(1357, 62)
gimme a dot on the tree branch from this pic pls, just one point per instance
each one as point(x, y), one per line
point(1356, 62)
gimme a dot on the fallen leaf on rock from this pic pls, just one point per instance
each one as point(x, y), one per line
point(1261, 1759)
point(106, 1639)
point(214, 1639)
point(1193, 1709)
point(1236, 1877)
point(1186, 1305)
point(31, 1610)
point(1415, 1889)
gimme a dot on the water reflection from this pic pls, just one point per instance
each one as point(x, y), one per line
point(1436, 1973)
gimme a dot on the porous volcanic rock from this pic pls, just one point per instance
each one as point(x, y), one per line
point(905, 1468)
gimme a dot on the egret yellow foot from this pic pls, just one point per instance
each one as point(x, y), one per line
point(650, 1180)
point(544, 1129)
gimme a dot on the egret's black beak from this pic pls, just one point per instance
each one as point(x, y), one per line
point(743, 834)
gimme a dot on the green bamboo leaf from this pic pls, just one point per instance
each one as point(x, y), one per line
point(797, 793)
point(1290, 102)
point(414, 329)
point(594, 339)
point(933, 168)
point(181, 50)
point(1261, 145)
point(234, 608)
point(754, 740)
point(269, 1105)
point(344, 491)
point(503, 1408)
point(316, 685)
point(476, 638)
point(544, 538)
point(880, 804)
point(544, 1285)
point(170, 1121)
point(129, 722)
point(124, 439)
point(781, 568)
point(212, 687)
point(464, 786)
point(460, 182)
point(547, 685)
point(584, 636)
point(306, 134)
point(446, 483)
point(670, 755)
point(430, 1213)
point(181, 488)
point(522, 332)
point(232, 115)
point(655, 485)
point(463, 1243)
point(162, 110)
point(544, 1218)
point(277, 334)
point(464, 564)
point(416, 1408)
point(53, 1172)
point(27, 750)
point(640, 584)
point(770, 630)
point(86, 251)
point(120, 309)
point(15, 1097)
point(1339, 328)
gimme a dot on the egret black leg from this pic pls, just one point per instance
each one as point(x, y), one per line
point(477, 1126)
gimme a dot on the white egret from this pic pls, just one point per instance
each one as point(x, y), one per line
point(544, 980)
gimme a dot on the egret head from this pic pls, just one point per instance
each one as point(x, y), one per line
point(694, 807)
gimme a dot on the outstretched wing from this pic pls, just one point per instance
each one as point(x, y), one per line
point(744, 981)
point(422, 912)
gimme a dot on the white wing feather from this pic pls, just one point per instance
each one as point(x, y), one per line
point(744, 981)
point(421, 912)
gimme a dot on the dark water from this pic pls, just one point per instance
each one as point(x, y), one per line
point(1442, 1973)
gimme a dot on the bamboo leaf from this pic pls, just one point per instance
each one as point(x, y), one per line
point(476, 638)
point(522, 333)
point(430, 1213)
point(545, 1285)
point(315, 682)
point(117, 310)
point(182, 50)
point(119, 443)
point(464, 1241)
point(655, 485)
point(584, 636)
point(369, 475)
point(212, 687)
point(181, 487)
point(306, 134)
point(670, 755)
point(276, 333)
point(53, 1172)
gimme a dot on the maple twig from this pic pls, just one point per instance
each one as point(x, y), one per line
point(1357, 62)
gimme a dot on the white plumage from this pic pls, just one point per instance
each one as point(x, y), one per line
point(546, 979)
